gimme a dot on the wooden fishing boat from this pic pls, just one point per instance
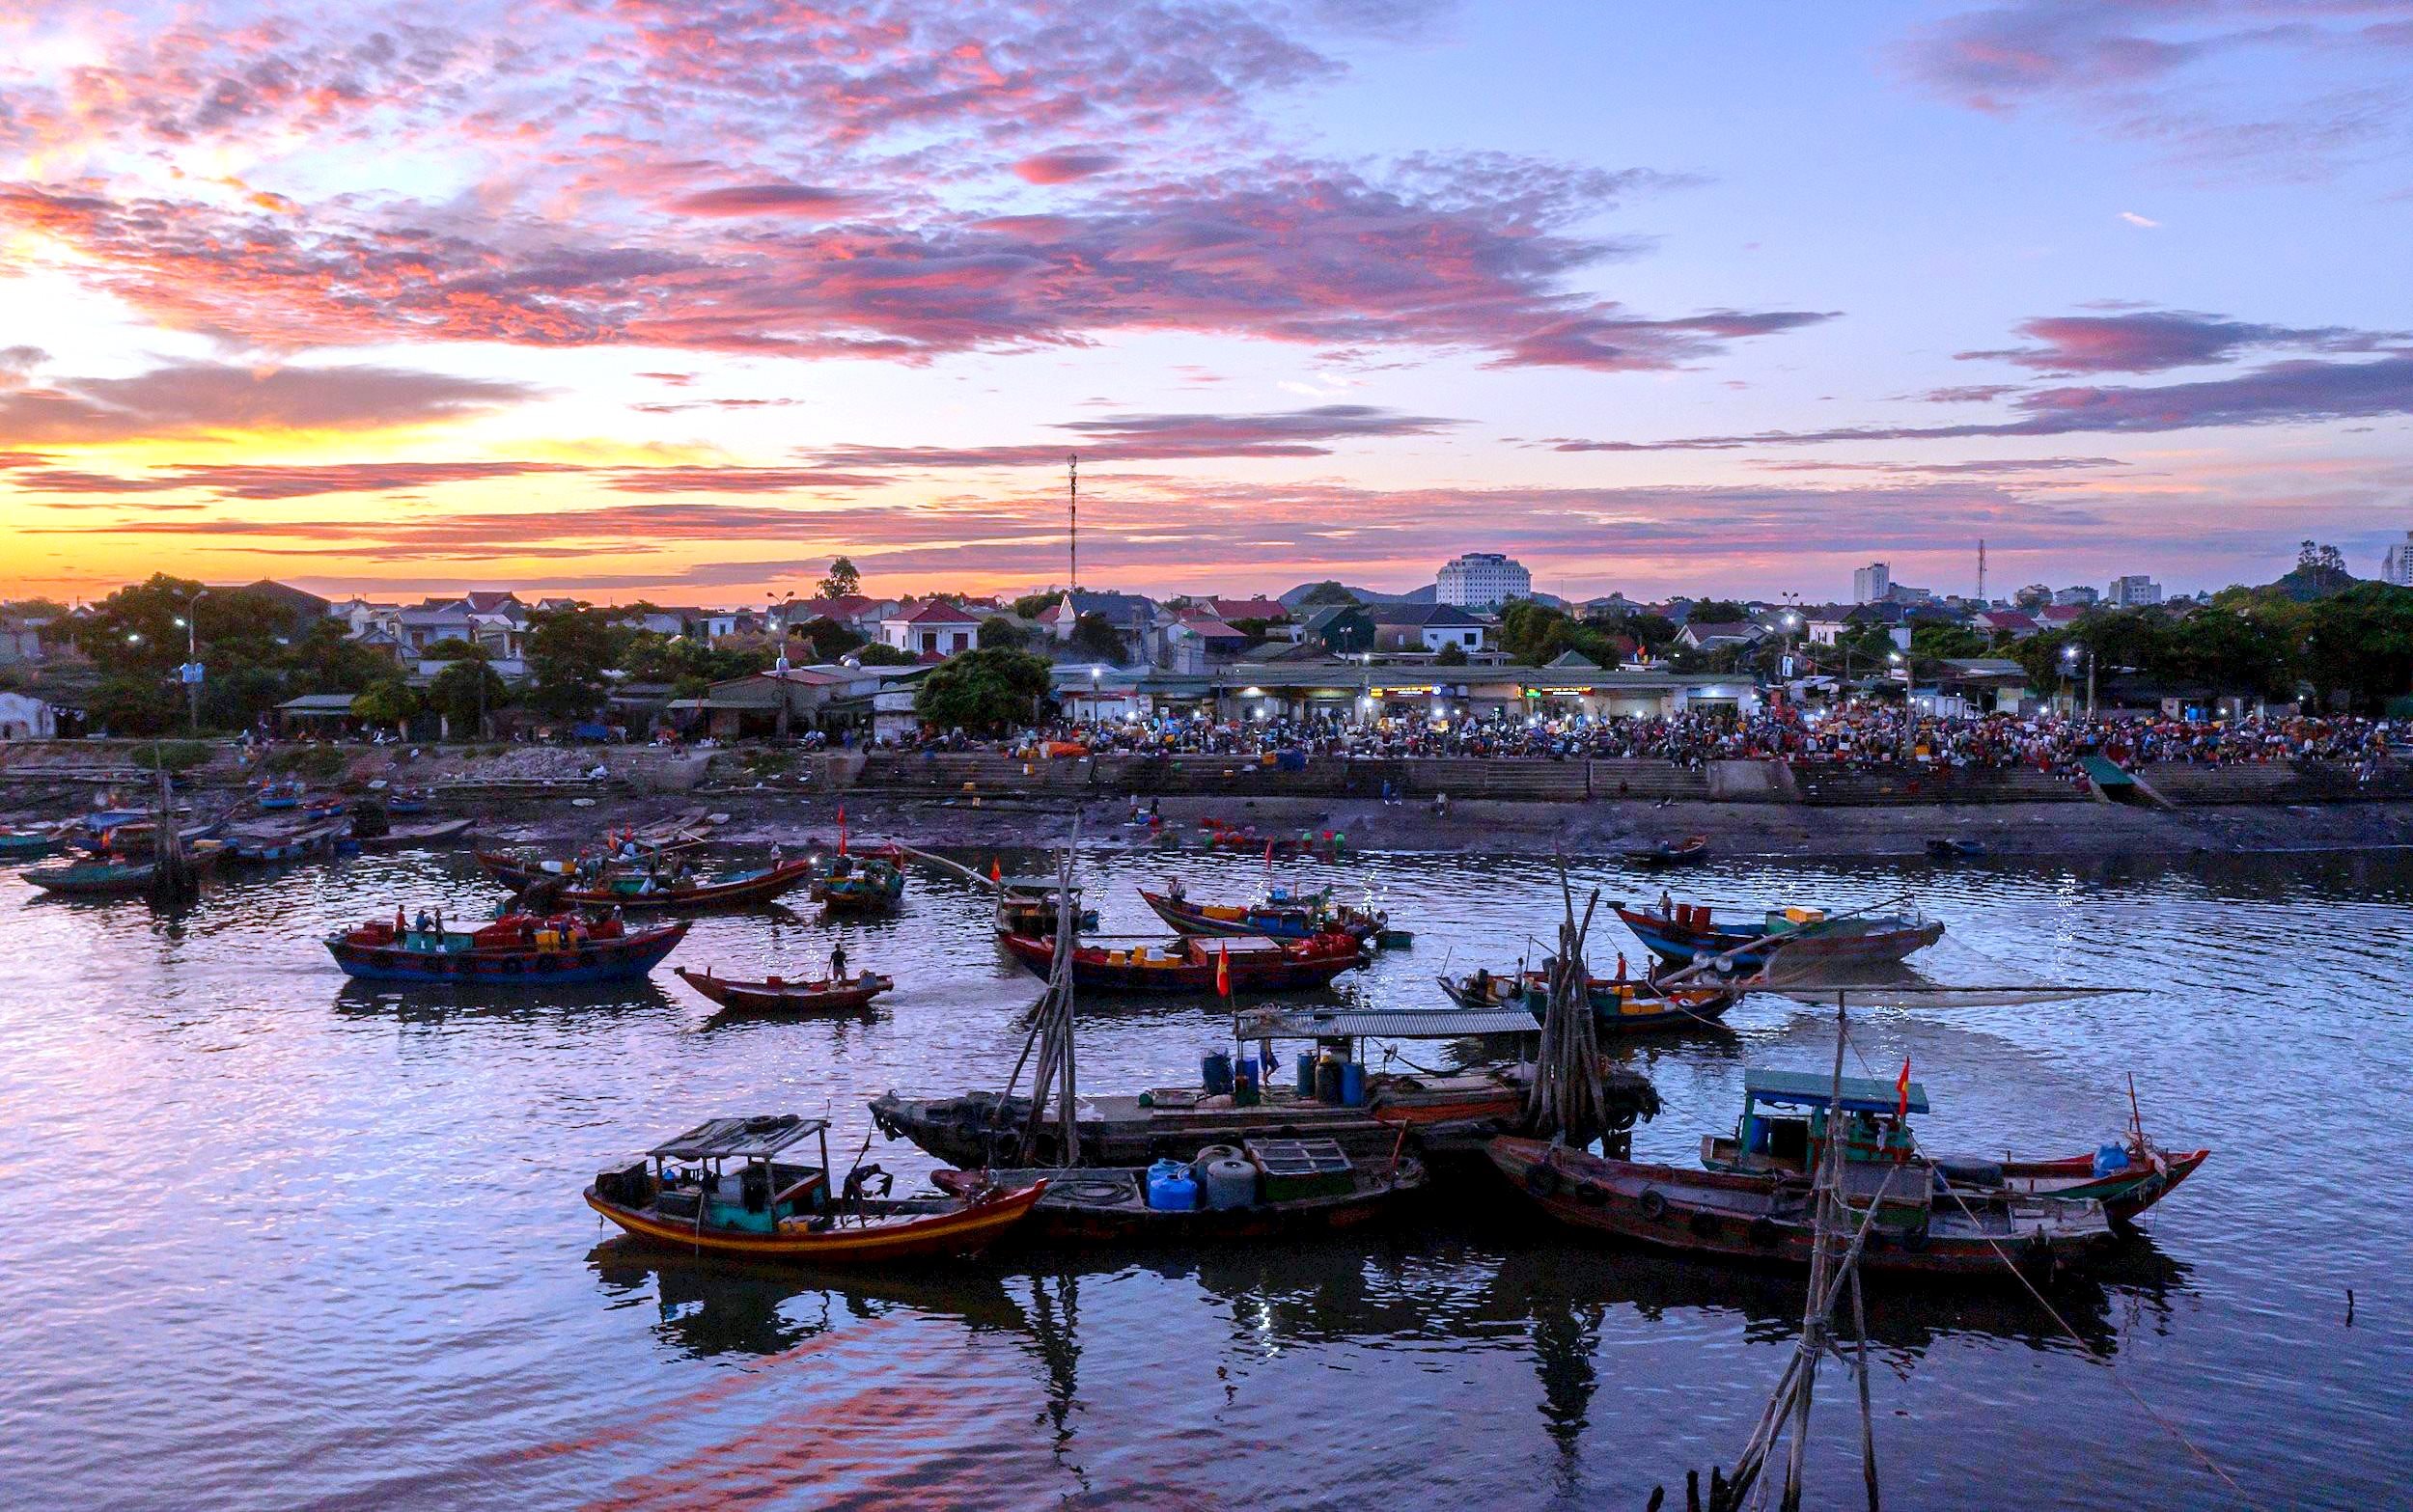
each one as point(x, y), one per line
point(1447, 1116)
point(106, 878)
point(1691, 849)
point(1278, 916)
point(723, 1189)
point(636, 892)
point(406, 800)
point(1256, 1190)
point(1027, 906)
point(1767, 1219)
point(1189, 964)
point(1783, 1131)
point(287, 795)
point(776, 995)
point(1221, 835)
point(1686, 932)
point(404, 837)
point(25, 844)
point(857, 885)
point(270, 846)
point(1954, 847)
point(1621, 1005)
point(515, 950)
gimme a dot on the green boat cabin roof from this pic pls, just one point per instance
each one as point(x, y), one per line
point(739, 1138)
point(1813, 1088)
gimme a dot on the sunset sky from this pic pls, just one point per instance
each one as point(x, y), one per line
point(677, 299)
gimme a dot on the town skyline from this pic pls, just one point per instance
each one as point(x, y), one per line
point(677, 303)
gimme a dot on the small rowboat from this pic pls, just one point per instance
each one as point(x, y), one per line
point(1954, 847)
point(516, 950)
point(852, 884)
point(1255, 964)
point(1289, 1193)
point(281, 795)
point(1685, 852)
point(403, 837)
point(633, 892)
point(775, 995)
point(1224, 835)
point(1619, 1006)
point(1767, 1219)
point(1686, 932)
point(269, 847)
point(24, 845)
point(687, 1194)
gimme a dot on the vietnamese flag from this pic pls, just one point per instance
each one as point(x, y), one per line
point(842, 829)
point(997, 873)
point(1223, 972)
point(1901, 1092)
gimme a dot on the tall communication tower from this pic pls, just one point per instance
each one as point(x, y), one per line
point(1982, 570)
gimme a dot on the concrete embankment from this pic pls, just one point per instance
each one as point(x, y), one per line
point(1747, 808)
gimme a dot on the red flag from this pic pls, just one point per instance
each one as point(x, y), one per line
point(1901, 1092)
point(997, 873)
point(1269, 853)
point(1223, 972)
point(842, 829)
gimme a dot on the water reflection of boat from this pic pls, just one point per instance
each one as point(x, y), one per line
point(712, 1304)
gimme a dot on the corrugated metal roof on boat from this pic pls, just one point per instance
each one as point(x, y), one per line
point(1272, 1023)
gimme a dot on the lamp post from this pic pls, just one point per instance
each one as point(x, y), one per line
point(190, 671)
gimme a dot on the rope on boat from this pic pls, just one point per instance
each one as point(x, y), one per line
point(2084, 1348)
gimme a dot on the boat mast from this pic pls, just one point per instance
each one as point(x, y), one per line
point(1049, 1047)
point(1073, 528)
point(1569, 1100)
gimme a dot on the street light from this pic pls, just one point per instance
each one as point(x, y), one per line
point(190, 671)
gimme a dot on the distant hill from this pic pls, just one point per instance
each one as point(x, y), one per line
point(1364, 596)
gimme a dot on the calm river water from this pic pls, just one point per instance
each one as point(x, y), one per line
point(274, 1240)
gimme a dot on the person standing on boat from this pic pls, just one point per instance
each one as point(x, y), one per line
point(837, 962)
point(1173, 889)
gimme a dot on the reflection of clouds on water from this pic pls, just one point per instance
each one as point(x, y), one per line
point(356, 1216)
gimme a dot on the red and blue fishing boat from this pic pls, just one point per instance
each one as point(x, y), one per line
point(1683, 933)
point(284, 794)
point(1279, 915)
point(1243, 963)
point(649, 893)
point(515, 950)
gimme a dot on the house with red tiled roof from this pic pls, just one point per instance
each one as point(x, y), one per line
point(934, 630)
point(2019, 623)
point(2057, 616)
point(1229, 610)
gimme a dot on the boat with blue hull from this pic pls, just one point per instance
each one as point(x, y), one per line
point(1683, 933)
point(516, 950)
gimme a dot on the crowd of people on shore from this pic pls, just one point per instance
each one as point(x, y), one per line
point(1859, 735)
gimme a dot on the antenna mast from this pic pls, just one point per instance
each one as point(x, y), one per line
point(1981, 569)
point(1072, 522)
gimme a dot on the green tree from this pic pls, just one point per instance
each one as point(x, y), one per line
point(1094, 635)
point(133, 704)
point(1450, 655)
point(880, 653)
point(1328, 591)
point(983, 691)
point(392, 702)
point(1717, 611)
point(999, 633)
point(326, 659)
point(843, 580)
point(1030, 606)
point(828, 638)
point(2359, 643)
point(570, 650)
point(466, 692)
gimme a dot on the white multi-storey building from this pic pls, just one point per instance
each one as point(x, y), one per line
point(1872, 584)
point(1482, 579)
point(2398, 566)
point(2134, 592)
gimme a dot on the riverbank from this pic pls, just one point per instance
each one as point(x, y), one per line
point(2043, 831)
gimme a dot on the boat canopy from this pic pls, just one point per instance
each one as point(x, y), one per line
point(1814, 1089)
point(739, 1138)
point(1275, 1023)
point(1040, 886)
